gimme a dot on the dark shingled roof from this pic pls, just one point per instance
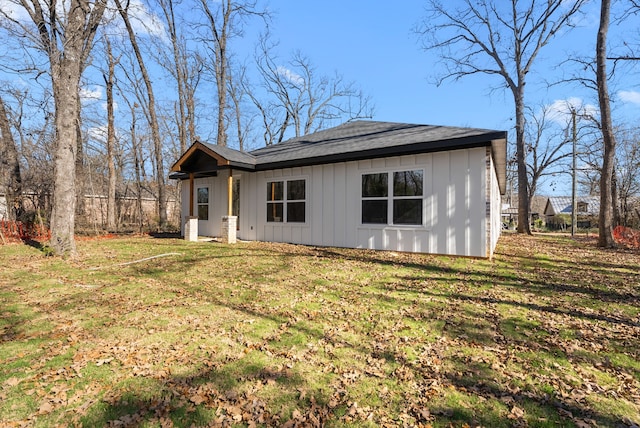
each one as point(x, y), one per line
point(356, 141)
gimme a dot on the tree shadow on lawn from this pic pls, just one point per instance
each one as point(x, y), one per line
point(224, 396)
point(228, 394)
point(421, 286)
point(196, 399)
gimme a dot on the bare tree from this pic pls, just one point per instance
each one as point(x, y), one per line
point(546, 148)
point(297, 98)
point(64, 33)
point(111, 136)
point(606, 218)
point(498, 38)
point(224, 21)
point(151, 115)
point(36, 142)
point(10, 177)
point(628, 173)
point(186, 68)
point(235, 88)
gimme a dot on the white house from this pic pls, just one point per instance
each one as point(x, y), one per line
point(364, 184)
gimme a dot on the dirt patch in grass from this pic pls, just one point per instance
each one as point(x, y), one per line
point(260, 334)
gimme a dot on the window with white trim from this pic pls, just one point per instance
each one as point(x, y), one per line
point(203, 203)
point(286, 201)
point(399, 199)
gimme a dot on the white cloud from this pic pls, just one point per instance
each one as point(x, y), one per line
point(90, 94)
point(560, 110)
point(143, 21)
point(632, 97)
point(292, 77)
point(98, 133)
point(13, 11)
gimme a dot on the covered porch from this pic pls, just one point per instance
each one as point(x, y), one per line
point(215, 200)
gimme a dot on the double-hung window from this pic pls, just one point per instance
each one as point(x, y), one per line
point(286, 201)
point(397, 196)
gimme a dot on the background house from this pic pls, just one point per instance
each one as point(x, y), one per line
point(558, 211)
point(364, 184)
point(510, 210)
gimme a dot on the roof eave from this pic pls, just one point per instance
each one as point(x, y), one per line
point(409, 149)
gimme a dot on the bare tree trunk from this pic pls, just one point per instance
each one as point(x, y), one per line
point(155, 131)
point(9, 165)
point(219, 31)
point(605, 220)
point(524, 224)
point(66, 82)
point(136, 160)
point(615, 199)
point(111, 166)
point(80, 170)
point(179, 71)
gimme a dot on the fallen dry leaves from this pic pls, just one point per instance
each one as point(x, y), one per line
point(281, 335)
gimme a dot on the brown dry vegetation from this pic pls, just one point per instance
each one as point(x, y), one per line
point(257, 334)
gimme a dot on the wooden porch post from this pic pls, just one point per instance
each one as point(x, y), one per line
point(230, 193)
point(191, 194)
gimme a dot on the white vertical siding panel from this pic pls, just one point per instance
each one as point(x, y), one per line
point(404, 240)
point(352, 213)
point(408, 160)
point(327, 205)
point(261, 206)
point(430, 204)
point(315, 213)
point(459, 224)
point(253, 206)
point(441, 200)
point(296, 235)
point(287, 234)
point(378, 163)
point(339, 204)
point(364, 164)
point(379, 241)
point(391, 239)
point(422, 242)
point(391, 163)
point(477, 202)
point(496, 215)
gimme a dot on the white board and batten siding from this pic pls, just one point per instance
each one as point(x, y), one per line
point(461, 205)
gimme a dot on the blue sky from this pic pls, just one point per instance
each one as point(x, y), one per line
point(372, 43)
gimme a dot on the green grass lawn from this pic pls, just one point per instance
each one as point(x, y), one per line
point(258, 334)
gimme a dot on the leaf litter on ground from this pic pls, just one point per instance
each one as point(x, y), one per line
point(264, 334)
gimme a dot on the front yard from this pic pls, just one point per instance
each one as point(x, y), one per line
point(257, 334)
